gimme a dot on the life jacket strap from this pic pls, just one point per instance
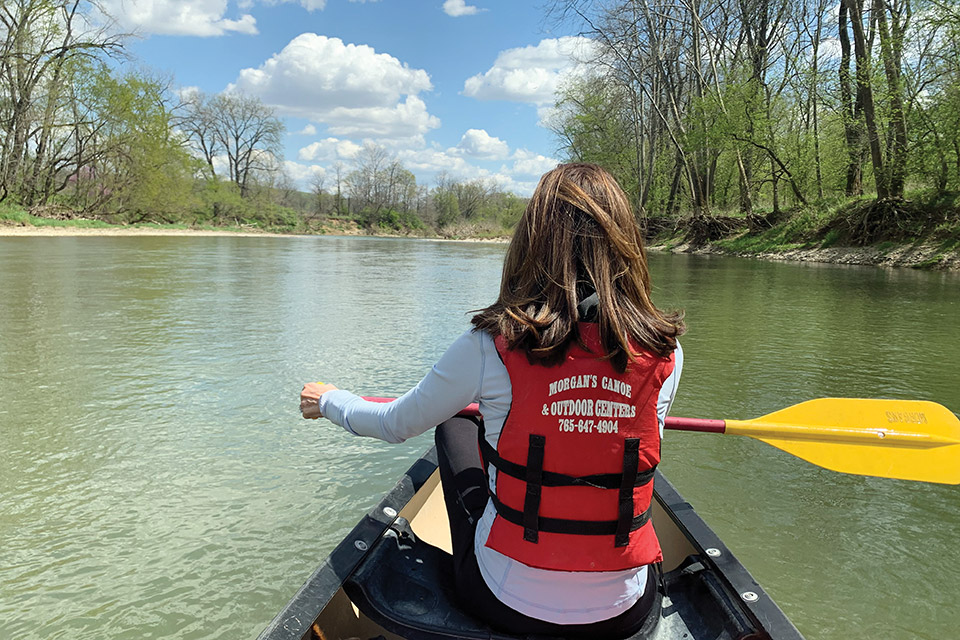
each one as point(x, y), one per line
point(631, 461)
point(534, 479)
point(569, 527)
point(490, 456)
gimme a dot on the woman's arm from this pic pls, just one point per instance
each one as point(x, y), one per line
point(452, 383)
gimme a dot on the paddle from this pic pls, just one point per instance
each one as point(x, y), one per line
point(903, 439)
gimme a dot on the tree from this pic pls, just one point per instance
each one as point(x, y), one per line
point(317, 183)
point(44, 40)
point(366, 182)
point(130, 164)
point(198, 123)
point(250, 135)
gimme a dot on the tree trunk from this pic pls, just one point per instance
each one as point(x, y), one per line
point(813, 96)
point(675, 185)
point(852, 125)
point(865, 91)
point(890, 48)
point(746, 197)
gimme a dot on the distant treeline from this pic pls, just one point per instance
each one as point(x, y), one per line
point(83, 135)
point(752, 108)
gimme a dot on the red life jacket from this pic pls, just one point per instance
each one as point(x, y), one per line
point(575, 460)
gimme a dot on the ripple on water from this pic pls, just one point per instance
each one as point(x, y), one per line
point(158, 482)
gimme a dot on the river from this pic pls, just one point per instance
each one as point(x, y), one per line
point(158, 482)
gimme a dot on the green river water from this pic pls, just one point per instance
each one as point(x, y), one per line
point(156, 480)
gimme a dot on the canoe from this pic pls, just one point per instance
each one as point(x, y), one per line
point(389, 578)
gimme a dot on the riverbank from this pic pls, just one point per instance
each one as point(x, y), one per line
point(335, 228)
point(922, 256)
point(14, 231)
point(923, 233)
point(930, 254)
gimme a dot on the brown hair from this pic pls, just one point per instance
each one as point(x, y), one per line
point(578, 235)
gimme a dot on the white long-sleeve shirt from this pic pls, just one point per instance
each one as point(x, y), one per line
point(471, 371)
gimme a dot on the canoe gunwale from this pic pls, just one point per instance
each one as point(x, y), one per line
point(294, 621)
point(300, 613)
point(736, 577)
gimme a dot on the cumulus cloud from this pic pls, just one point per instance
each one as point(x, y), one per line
point(308, 130)
point(531, 74)
point(480, 144)
point(521, 178)
point(330, 150)
point(178, 17)
point(408, 119)
point(433, 160)
point(528, 163)
point(457, 8)
point(303, 174)
point(351, 88)
point(507, 182)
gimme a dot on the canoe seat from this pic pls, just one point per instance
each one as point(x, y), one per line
point(405, 585)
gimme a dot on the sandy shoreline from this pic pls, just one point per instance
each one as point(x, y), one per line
point(31, 231)
point(12, 230)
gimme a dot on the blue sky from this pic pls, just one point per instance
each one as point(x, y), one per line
point(445, 85)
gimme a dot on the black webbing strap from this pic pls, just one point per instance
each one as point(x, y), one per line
point(631, 462)
point(534, 479)
point(572, 527)
point(553, 479)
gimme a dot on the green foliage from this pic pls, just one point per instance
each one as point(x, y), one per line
point(392, 220)
point(448, 209)
point(593, 123)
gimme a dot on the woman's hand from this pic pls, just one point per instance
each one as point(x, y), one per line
point(310, 399)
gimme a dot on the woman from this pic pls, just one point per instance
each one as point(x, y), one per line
point(574, 369)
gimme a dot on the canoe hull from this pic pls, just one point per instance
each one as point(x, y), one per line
point(710, 594)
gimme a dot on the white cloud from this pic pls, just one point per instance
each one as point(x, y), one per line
point(351, 88)
point(521, 178)
point(480, 144)
point(308, 130)
point(178, 17)
point(188, 93)
point(330, 150)
point(433, 160)
point(829, 49)
point(309, 5)
point(404, 120)
point(303, 174)
point(528, 163)
point(531, 74)
point(507, 182)
point(457, 8)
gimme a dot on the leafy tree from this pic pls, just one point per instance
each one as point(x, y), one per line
point(43, 42)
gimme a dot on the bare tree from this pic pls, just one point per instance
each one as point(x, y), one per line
point(250, 135)
point(317, 183)
point(338, 176)
point(198, 123)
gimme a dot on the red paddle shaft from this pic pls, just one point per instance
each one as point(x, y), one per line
point(677, 424)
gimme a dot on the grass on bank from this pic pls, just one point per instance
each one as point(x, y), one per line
point(920, 219)
point(388, 223)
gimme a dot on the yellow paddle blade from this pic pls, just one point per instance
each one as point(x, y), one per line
point(905, 439)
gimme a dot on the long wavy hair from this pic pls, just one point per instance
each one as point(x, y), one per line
point(578, 236)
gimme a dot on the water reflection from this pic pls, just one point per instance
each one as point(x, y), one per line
point(157, 480)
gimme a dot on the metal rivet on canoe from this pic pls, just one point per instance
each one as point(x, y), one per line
point(713, 552)
point(360, 544)
point(390, 512)
point(749, 596)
